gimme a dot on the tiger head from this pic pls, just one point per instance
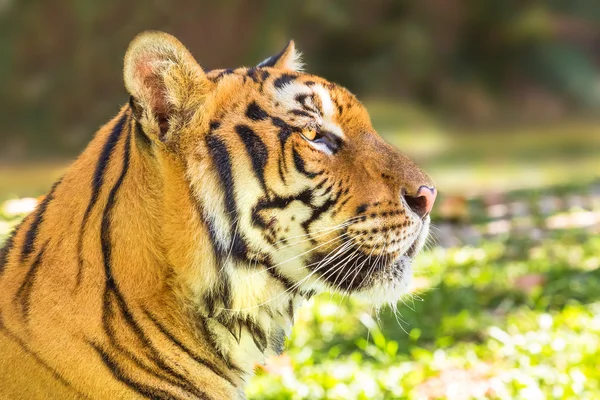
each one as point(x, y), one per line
point(296, 192)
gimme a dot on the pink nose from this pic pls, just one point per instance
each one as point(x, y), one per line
point(422, 202)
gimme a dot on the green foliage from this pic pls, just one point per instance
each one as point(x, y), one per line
point(472, 321)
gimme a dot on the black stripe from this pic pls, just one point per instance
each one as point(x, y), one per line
point(327, 190)
point(141, 138)
point(220, 254)
point(214, 125)
point(39, 360)
point(208, 364)
point(290, 310)
point(257, 151)
point(317, 212)
point(108, 316)
point(320, 184)
point(222, 162)
point(31, 235)
point(5, 251)
point(232, 324)
point(285, 130)
point(221, 159)
point(306, 197)
point(288, 284)
point(103, 160)
point(255, 112)
point(339, 207)
point(221, 74)
point(301, 98)
point(120, 374)
point(280, 170)
point(301, 113)
point(252, 73)
point(300, 166)
point(23, 296)
point(105, 239)
point(213, 341)
point(159, 369)
point(283, 80)
point(97, 182)
point(258, 335)
point(264, 75)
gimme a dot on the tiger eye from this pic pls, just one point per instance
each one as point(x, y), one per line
point(309, 134)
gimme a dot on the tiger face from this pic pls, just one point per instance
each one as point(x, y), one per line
point(298, 191)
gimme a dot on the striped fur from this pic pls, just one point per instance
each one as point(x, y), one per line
point(171, 257)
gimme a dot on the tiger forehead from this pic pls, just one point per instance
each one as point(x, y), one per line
point(329, 99)
point(300, 98)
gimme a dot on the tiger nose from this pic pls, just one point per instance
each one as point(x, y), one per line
point(422, 202)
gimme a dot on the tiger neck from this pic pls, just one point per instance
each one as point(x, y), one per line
point(162, 258)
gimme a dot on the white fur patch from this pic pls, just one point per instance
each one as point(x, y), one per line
point(328, 108)
point(286, 95)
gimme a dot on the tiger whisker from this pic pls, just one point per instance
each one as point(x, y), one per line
point(298, 255)
point(337, 287)
point(372, 267)
point(321, 264)
point(278, 295)
point(341, 264)
point(317, 233)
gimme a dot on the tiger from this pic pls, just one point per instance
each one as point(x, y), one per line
point(174, 253)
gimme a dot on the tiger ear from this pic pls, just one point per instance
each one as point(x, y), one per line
point(289, 58)
point(165, 81)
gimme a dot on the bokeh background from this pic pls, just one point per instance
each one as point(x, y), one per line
point(499, 101)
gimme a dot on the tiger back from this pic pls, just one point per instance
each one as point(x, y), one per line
point(172, 255)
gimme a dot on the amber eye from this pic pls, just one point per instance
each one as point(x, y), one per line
point(310, 134)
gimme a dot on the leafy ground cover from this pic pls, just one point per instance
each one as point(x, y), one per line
point(507, 319)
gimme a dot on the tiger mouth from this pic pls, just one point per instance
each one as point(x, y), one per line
point(364, 269)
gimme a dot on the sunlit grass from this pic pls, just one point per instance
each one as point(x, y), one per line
point(474, 332)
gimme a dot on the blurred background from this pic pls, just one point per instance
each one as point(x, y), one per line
point(499, 102)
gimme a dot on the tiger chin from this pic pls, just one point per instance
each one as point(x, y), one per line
point(172, 255)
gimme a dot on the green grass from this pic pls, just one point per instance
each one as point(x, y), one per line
point(471, 328)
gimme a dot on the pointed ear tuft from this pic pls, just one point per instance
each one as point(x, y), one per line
point(165, 81)
point(289, 58)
